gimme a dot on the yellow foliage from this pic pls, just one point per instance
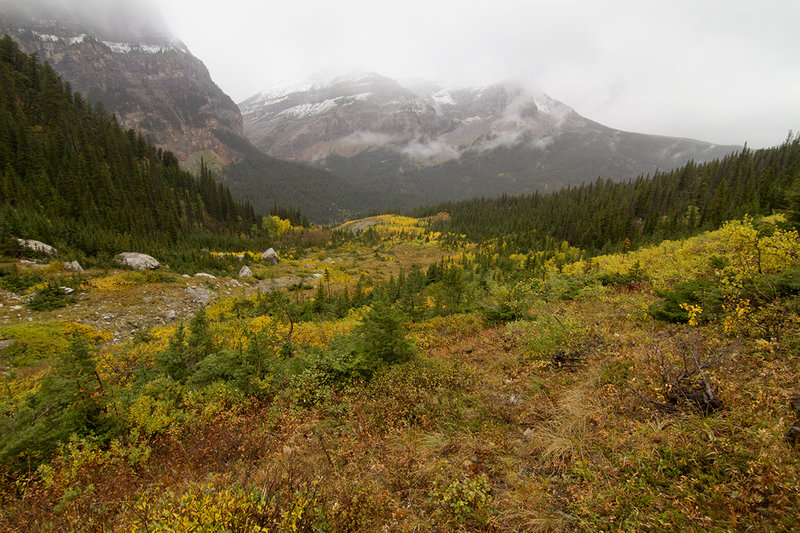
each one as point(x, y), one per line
point(442, 330)
point(202, 507)
point(276, 225)
point(694, 311)
point(121, 362)
point(751, 253)
point(90, 333)
point(121, 281)
point(319, 334)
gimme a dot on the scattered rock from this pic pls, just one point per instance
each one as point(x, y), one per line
point(32, 264)
point(67, 290)
point(37, 246)
point(272, 284)
point(360, 225)
point(245, 272)
point(794, 403)
point(171, 315)
point(200, 295)
point(73, 266)
point(204, 275)
point(271, 256)
point(137, 261)
point(529, 433)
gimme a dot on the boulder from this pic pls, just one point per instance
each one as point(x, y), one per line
point(271, 256)
point(200, 295)
point(245, 272)
point(73, 266)
point(204, 275)
point(38, 246)
point(137, 261)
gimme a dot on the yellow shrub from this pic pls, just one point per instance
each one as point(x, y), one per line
point(113, 283)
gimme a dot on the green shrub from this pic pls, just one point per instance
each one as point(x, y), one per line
point(69, 401)
point(51, 297)
point(705, 293)
point(12, 280)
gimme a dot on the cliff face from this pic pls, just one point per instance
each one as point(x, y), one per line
point(152, 83)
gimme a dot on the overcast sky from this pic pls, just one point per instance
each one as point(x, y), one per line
point(724, 71)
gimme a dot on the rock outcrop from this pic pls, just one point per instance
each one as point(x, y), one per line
point(270, 256)
point(137, 261)
point(73, 266)
point(37, 246)
point(245, 272)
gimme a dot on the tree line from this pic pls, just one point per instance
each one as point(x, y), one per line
point(71, 175)
point(606, 216)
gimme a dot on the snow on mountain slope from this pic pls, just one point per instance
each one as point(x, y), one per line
point(315, 119)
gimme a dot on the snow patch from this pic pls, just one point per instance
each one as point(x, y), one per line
point(127, 48)
point(77, 40)
point(47, 38)
point(307, 110)
point(443, 98)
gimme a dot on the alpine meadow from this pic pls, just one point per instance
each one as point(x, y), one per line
point(217, 340)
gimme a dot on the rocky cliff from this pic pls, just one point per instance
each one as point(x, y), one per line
point(147, 78)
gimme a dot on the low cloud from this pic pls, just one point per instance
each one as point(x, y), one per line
point(106, 18)
point(370, 138)
point(430, 151)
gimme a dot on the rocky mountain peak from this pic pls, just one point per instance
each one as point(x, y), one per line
point(124, 57)
point(419, 141)
point(422, 120)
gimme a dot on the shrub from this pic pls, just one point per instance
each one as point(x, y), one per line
point(705, 294)
point(69, 401)
point(51, 297)
point(13, 280)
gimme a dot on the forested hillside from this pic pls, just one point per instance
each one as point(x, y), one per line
point(264, 181)
point(600, 216)
point(70, 175)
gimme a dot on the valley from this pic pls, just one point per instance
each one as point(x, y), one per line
point(365, 304)
point(503, 402)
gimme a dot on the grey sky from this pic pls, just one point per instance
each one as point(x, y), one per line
point(723, 71)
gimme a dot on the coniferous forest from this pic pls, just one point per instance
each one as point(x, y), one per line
point(71, 176)
point(598, 217)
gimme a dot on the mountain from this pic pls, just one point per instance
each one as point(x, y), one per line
point(417, 142)
point(132, 65)
point(70, 175)
point(120, 54)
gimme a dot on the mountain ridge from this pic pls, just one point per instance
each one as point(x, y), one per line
point(433, 142)
point(148, 79)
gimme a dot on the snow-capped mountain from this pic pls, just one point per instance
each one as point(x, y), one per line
point(129, 62)
point(434, 143)
point(309, 121)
